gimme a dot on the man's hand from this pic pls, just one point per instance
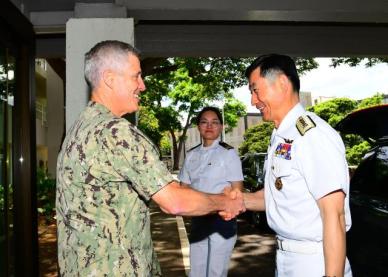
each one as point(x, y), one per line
point(236, 203)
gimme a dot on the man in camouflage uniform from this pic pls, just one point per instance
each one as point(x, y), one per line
point(108, 171)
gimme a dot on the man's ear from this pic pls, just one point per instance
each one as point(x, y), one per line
point(285, 83)
point(108, 78)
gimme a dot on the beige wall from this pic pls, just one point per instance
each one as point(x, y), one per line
point(91, 30)
point(55, 118)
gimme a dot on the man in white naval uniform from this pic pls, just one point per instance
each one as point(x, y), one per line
point(306, 192)
point(211, 167)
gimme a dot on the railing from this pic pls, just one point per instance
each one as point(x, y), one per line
point(41, 113)
point(41, 63)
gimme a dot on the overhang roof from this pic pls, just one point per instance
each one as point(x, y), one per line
point(166, 28)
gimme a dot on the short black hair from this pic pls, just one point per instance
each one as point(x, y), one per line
point(276, 62)
point(212, 109)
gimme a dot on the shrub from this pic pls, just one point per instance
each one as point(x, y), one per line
point(46, 194)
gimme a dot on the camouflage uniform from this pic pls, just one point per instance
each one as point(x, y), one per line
point(107, 172)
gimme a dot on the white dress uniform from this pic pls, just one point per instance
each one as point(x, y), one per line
point(306, 161)
point(211, 169)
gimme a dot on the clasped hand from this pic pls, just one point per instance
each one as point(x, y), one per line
point(235, 204)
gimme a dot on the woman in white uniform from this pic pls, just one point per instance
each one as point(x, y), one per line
point(211, 167)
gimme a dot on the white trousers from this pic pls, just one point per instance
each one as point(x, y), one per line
point(210, 257)
point(290, 264)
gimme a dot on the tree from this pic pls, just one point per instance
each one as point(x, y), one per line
point(256, 138)
point(369, 62)
point(174, 96)
point(335, 110)
point(377, 99)
point(177, 88)
point(332, 111)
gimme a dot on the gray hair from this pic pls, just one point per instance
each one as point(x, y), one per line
point(108, 54)
point(272, 74)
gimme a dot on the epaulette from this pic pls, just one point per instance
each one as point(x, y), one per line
point(304, 123)
point(192, 148)
point(225, 145)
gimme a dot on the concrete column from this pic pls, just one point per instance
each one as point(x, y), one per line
point(55, 118)
point(81, 35)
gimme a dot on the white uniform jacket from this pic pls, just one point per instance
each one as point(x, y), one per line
point(300, 169)
point(211, 169)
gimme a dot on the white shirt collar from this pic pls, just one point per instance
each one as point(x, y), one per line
point(287, 128)
point(213, 145)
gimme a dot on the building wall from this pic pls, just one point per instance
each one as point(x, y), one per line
point(385, 98)
point(321, 99)
point(55, 118)
point(305, 99)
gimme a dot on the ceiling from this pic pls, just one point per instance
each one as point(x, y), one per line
point(166, 28)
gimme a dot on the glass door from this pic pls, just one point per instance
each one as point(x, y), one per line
point(7, 89)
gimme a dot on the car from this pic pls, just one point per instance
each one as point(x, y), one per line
point(253, 171)
point(367, 240)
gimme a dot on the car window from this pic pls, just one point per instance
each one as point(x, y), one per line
point(371, 176)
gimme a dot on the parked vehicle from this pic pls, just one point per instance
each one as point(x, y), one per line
point(367, 241)
point(253, 171)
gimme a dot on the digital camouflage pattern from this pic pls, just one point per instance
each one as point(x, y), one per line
point(107, 171)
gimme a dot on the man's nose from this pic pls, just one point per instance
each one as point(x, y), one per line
point(142, 86)
point(253, 99)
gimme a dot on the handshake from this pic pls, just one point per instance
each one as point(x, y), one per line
point(234, 203)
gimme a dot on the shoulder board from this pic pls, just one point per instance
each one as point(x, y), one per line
point(225, 145)
point(304, 123)
point(192, 148)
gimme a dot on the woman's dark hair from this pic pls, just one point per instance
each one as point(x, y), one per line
point(275, 62)
point(212, 109)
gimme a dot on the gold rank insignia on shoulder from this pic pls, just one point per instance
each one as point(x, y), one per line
point(278, 183)
point(304, 123)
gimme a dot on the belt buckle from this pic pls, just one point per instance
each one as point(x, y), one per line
point(280, 244)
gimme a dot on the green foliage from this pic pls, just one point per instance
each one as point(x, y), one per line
point(180, 87)
point(233, 110)
point(1, 197)
point(377, 99)
point(354, 153)
point(305, 65)
point(183, 86)
point(335, 110)
point(369, 62)
point(332, 111)
point(165, 144)
point(256, 138)
point(2, 200)
point(46, 193)
point(149, 124)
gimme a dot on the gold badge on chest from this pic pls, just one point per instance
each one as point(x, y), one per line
point(278, 183)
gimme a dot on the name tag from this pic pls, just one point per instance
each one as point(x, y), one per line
point(283, 150)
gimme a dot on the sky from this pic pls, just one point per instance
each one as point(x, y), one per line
point(343, 81)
